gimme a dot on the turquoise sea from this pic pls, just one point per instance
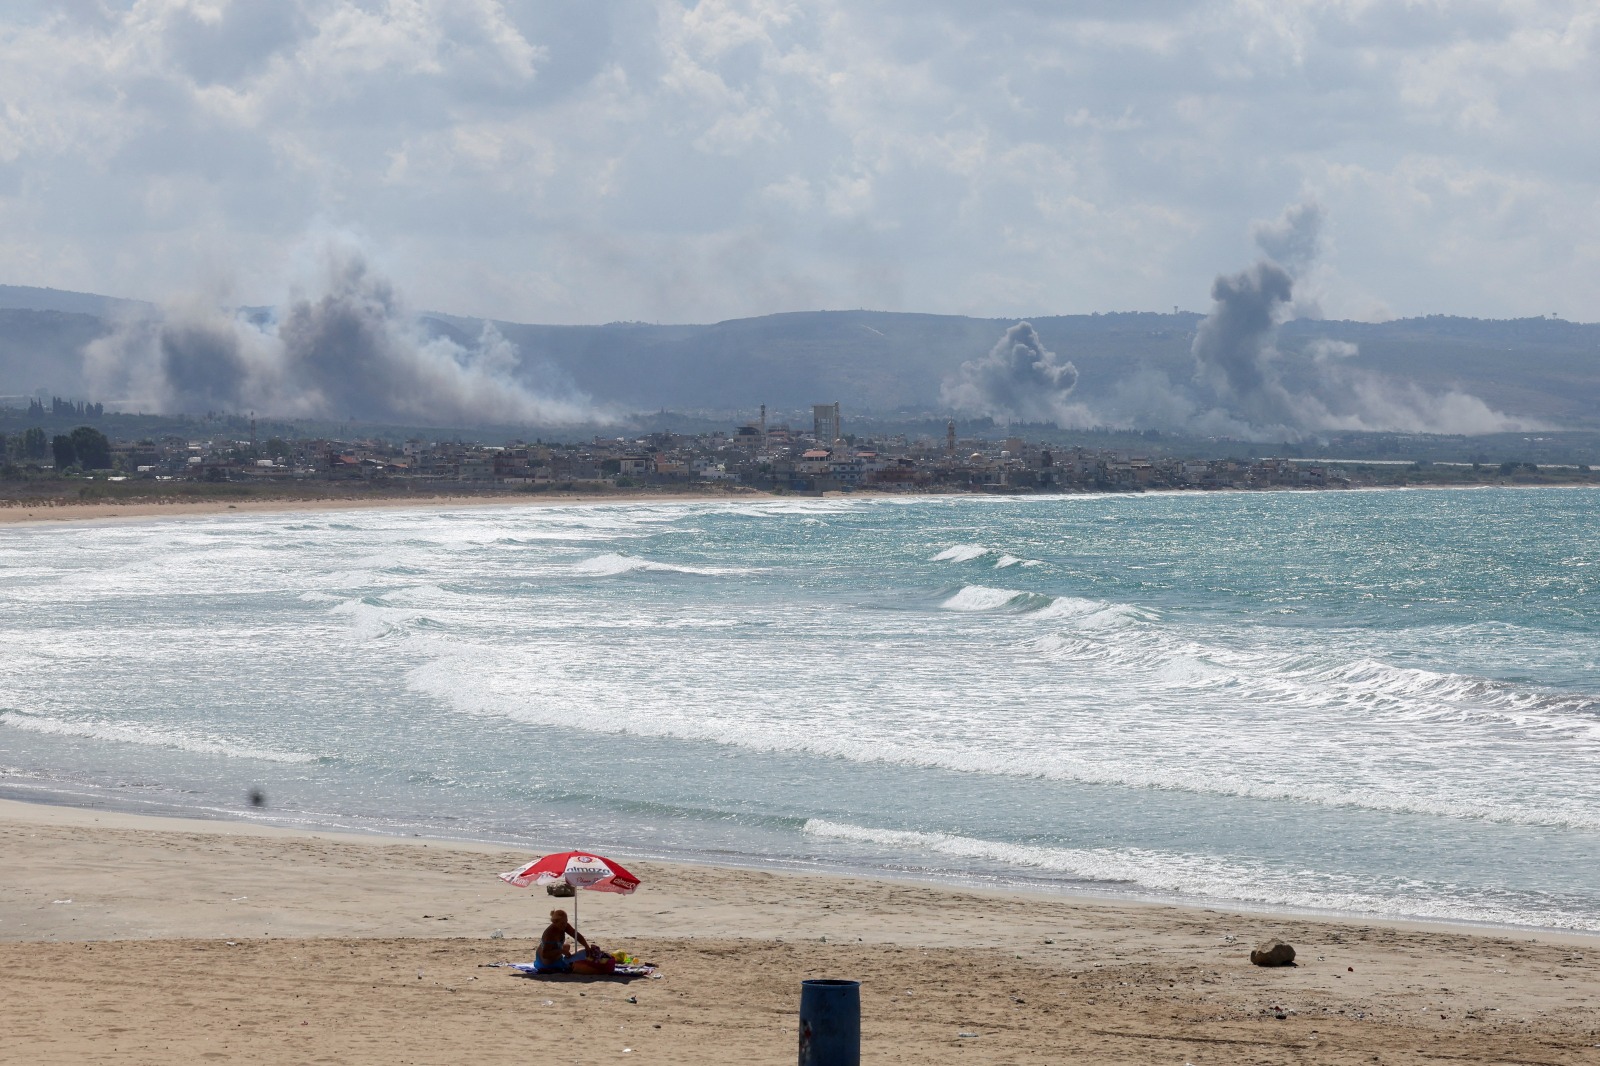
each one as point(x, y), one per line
point(1385, 703)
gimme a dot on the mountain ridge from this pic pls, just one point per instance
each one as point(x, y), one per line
point(1541, 369)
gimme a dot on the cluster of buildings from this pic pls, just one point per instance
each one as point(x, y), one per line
point(814, 459)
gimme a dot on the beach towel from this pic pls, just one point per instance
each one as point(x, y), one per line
point(642, 969)
point(559, 966)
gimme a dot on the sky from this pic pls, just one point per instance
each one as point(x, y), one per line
point(671, 161)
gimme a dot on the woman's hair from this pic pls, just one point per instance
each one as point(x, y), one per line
point(558, 916)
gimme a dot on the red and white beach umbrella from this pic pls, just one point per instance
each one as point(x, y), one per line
point(580, 869)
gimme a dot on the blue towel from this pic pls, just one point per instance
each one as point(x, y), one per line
point(620, 971)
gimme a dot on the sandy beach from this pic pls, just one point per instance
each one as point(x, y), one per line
point(134, 939)
point(45, 511)
point(23, 512)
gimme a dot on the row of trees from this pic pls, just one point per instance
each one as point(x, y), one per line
point(85, 447)
point(66, 408)
point(29, 444)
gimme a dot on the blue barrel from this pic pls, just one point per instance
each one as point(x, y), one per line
point(830, 1023)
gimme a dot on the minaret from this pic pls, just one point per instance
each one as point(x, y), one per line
point(950, 438)
point(763, 432)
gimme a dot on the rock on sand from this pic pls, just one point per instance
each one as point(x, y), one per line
point(1273, 953)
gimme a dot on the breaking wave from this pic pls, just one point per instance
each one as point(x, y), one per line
point(983, 598)
point(1242, 711)
point(966, 553)
point(961, 553)
point(1214, 878)
point(1085, 613)
point(612, 564)
point(149, 736)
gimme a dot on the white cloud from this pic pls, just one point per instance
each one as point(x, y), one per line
point(564, 160)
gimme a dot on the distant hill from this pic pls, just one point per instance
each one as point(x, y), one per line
point(885, 362)
point(892, 364)
point(28, 298)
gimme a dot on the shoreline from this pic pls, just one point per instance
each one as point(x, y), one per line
point(226, 822)
point(127, 938)
point(50, 512)
point(13, 513)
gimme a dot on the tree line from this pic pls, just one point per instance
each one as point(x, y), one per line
point(66, 408)
point(85, 448)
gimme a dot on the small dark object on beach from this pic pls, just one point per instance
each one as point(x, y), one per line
point(258, 798)
point(561, 888)
point(1273, 953)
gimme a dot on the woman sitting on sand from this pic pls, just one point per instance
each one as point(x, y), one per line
point(555, 957)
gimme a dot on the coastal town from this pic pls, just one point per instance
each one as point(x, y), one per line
point(776, 457)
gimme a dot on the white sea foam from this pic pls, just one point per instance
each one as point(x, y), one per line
point(428, 595)
point(1088, 614)
point(1084, 614)
point(960, 553)
point(1094, 736)
point(966, 553)
point(983, 598)
point(370, 619)
point(1209, 877)
point(147, 735)
point(611, 565)
point(1301, 680)
point(1402, 690)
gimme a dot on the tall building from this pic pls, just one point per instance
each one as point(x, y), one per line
point(826, 424)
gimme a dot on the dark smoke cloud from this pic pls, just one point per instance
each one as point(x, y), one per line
point(202, 363)
point(1238, 386)
point(350, 351)
point(1235, 346)
point(1018, 381)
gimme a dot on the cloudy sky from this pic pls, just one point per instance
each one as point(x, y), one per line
point(666, 160)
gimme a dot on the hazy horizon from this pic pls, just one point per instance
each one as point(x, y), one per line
point(451, 313)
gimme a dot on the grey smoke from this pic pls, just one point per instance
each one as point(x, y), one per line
point(1293, 240)
point(1235, 347)
point(352, 350)
point(1018, 381)
point(202, 363)
point(1238, 365)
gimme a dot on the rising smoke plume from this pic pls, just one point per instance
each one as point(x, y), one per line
point(350, 351)
point(1235, 347)
point(1018, 381)
point(1238, 380)
point(1293, 240)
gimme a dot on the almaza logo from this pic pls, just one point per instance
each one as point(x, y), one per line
point(585, 870)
